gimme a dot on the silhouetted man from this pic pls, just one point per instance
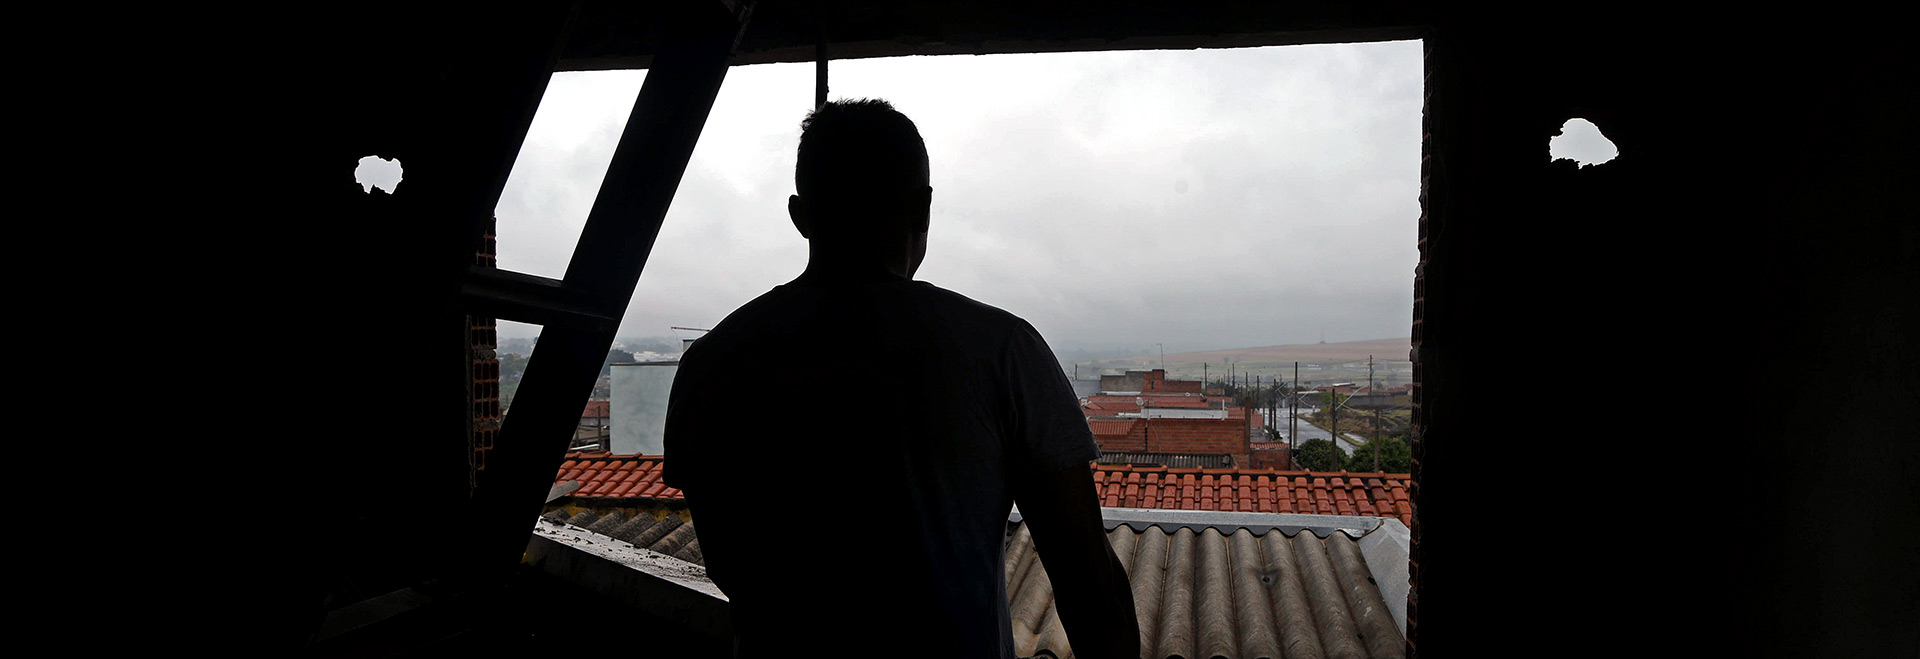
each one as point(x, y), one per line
point(851, 441)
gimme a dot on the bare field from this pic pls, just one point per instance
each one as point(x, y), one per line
point(1319, 362)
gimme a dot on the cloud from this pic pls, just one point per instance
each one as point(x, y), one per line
point(1200, 199)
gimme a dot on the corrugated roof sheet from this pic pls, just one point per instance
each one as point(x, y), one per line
point(1227, 595)
point(662, 531)
point(1209, 460)
point(1204, 585)
point(1199, 590)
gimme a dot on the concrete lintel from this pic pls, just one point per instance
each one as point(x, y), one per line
point(650, 581)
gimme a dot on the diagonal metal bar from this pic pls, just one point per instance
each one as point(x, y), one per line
point(697, 40)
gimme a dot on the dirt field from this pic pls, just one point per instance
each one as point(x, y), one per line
point(1319, 362)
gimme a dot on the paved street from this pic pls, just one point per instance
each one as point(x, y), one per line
point(1309, 431)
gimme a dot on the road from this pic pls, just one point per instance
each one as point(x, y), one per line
point(1309, 431)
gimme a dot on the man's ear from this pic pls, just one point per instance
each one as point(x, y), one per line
point(802, 216)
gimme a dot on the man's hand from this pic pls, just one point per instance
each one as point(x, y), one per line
point(1090, 586)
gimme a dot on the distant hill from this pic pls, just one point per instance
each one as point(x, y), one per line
point(1390, 356)
point(1394, 349)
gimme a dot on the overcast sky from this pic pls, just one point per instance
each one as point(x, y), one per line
point(1197, 199)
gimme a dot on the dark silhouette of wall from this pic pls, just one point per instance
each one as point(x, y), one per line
point(1749, 223)
point(1756, 216)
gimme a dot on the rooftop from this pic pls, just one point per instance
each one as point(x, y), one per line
point(1231, 489)
point(1204, 584)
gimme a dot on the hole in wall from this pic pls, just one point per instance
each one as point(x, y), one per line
point(1580, 141)
point(377, 172)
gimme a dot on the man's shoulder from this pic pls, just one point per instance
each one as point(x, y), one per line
point(984, 312)
point(820, 317)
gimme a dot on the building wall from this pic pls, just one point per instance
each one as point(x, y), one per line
point(484, 373)
point(639, 406)
point(1151, 382)
point(1227, 436)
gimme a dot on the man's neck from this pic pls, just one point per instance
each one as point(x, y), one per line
point(840, 272)
point(829, 263)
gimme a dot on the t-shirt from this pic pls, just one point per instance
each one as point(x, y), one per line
point(846, 451)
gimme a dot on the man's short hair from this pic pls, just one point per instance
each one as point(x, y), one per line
point(857, 151)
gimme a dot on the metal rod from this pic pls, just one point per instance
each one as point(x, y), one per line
point(820, 71)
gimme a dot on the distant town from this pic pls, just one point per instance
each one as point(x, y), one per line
point(1314, 407)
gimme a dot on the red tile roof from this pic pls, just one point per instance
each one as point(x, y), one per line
point(1109, 407)
point(596, 409)
point(1111, 427)
point(1233, 489)
point(617, 476)
point(1239, 489)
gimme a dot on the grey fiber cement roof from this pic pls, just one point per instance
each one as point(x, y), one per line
point(1205, 584)
point(1209, 591)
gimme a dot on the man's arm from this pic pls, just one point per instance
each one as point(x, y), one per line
point(1090, 587)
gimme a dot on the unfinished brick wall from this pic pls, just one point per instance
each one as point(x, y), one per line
point(1224, 436)
point(483, 341)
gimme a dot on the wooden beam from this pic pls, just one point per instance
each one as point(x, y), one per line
point(525, 298)
point(647, 165)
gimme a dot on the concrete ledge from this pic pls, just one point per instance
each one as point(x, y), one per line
point(1387, 550)
point(659, 584)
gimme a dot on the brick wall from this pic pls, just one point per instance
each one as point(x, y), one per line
point(1227, 436)
point(483, 341)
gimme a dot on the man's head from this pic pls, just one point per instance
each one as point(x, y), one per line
point(861, 176)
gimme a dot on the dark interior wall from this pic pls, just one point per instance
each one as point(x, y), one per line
point(375, 462)
point(1752, 232)
point(1747, 240)
point(1836, 505)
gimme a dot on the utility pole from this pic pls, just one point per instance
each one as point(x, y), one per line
point(1163, 355)
point(1374, 397)
point(1333, 409)
point(1293, 418)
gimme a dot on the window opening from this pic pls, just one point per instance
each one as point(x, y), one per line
point(1218, 202)
point(377, 172)
point(556, 175)
point(1581, 141)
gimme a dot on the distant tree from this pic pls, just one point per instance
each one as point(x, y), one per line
point(615, 357)
point(512, 364)
point(1395, 456)
point(1319, 455)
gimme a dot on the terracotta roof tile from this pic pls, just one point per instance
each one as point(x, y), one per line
point(604, 475)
